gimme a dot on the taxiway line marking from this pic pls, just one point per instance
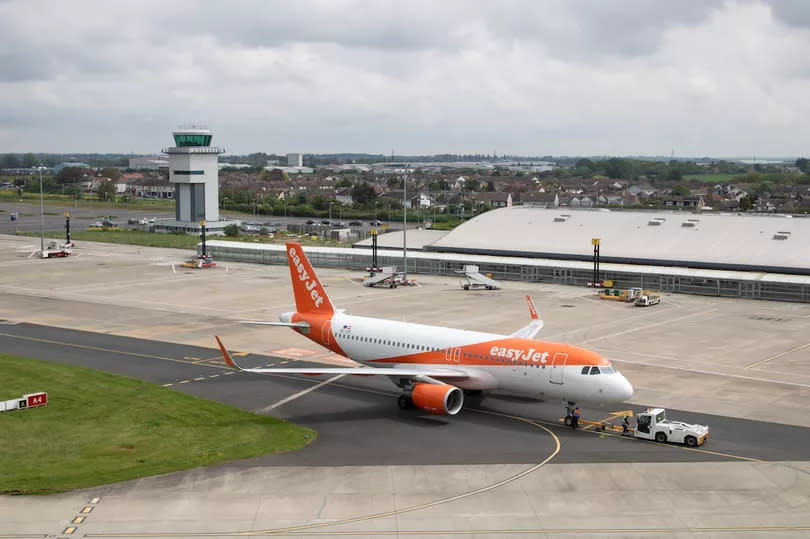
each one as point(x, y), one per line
point(100, 349)
point(300, 394)
point(295, 530)
point(758, 363)
point(700, 371)
point(639, 328)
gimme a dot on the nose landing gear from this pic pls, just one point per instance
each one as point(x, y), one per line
point(570, 408)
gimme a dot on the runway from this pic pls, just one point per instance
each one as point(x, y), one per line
point(359, 424)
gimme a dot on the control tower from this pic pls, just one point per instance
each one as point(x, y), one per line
point(194, 171)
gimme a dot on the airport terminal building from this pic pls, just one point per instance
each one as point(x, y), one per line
point(752, 256)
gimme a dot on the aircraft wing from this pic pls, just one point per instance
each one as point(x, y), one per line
point(534, 327)
point(427, 374)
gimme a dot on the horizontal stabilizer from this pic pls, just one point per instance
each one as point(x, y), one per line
point(283, 324)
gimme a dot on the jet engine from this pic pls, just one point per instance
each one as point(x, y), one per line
point(442, 399)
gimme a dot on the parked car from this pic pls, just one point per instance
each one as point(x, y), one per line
point(326, 222)
point(355, 223)
point(375, 223)
point(310, 222)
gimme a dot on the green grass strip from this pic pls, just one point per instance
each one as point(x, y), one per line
point(99, 428)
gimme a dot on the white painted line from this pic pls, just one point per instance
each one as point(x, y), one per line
point(213, 376)
point(167, 385)
point(726, 374)
point(183, 382)
point(300, 394)
point(662, 323)
point(198, 379)
point(173, 270)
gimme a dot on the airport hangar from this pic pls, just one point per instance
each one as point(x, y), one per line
point(749, 256)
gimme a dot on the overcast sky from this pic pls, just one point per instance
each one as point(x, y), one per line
point(535, 77)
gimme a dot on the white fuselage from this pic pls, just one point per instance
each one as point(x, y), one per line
point(494, 362)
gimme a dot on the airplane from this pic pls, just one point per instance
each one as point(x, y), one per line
point(435, 366)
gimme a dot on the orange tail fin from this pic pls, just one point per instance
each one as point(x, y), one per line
point(310, 297)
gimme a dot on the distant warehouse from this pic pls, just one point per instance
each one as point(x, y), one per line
point(772, 243)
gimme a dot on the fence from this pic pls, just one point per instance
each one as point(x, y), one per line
point(675, 280)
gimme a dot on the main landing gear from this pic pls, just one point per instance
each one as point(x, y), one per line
point(404, 402)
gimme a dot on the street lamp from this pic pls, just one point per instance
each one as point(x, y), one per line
point(41, 216)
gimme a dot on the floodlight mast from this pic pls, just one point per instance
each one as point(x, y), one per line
point(405, 225)
point(41, 217)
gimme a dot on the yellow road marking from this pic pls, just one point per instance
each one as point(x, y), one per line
point(87, 509)
point(100, 349)
point(78, 520)
point(69, 530)
point(758, 363)
point(95, 500)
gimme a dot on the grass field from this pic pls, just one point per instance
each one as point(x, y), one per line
point(179, 241)
point(129, 237)
point(10, 195)
point(99, 428)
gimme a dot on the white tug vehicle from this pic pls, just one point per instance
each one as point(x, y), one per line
point(654, 425)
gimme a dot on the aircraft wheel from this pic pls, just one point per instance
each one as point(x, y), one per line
point(660, 437)
point(404, 402)
point(567, 421)
point(466, 287)
point(691, 441)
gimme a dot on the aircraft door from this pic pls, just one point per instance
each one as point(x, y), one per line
point(452, 354)
point(555, 370)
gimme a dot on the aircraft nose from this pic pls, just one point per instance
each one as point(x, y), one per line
point(625, 389)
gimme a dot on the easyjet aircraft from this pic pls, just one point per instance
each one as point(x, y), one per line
point(432, 365)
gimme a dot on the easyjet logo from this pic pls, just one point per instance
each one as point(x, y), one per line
point(519, 354)
point(309, 282)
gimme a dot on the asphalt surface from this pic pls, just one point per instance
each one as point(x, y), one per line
point(359, 423)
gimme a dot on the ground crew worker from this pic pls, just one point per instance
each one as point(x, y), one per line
point(625, 425)
point(575, 418)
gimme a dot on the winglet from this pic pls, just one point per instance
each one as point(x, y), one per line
point(227, 355)
point(532, 310)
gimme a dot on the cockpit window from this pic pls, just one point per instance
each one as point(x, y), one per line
point(594, 370)
point(585, 370)
point(607, 370)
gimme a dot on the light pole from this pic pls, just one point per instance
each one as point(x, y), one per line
point(405, 225)
point(41, 217)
